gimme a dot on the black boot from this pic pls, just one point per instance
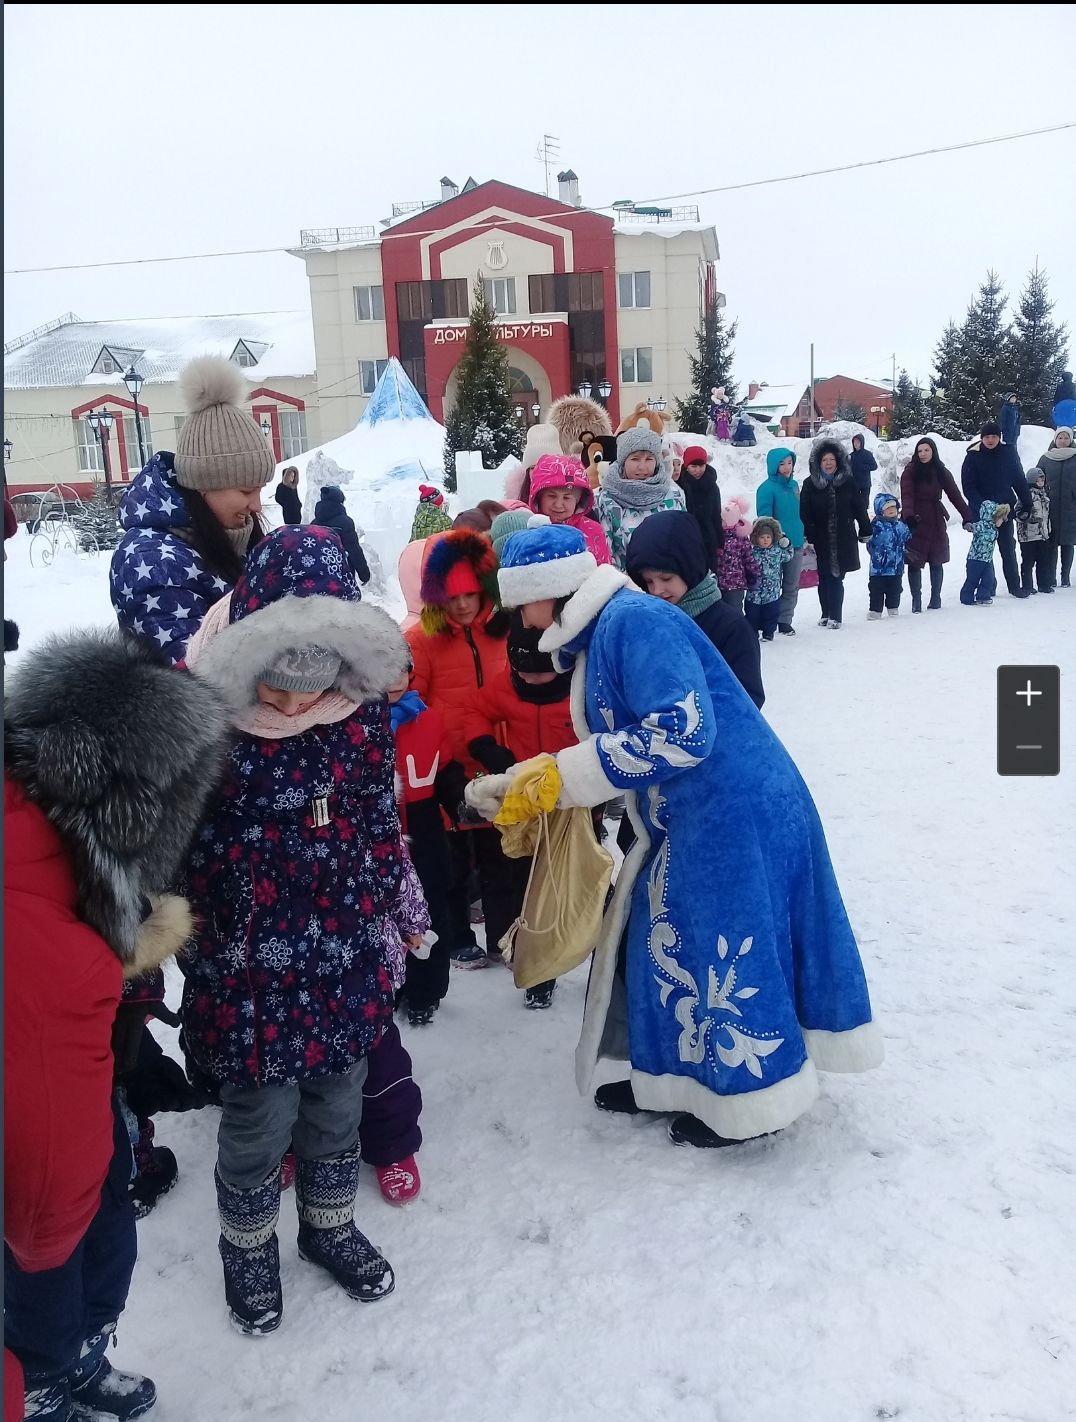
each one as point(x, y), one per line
point(689, 1130)
point(157, 1172)
point(937, 574)
point(541, 996)
point(100, 1392)
point(616, 1096)
point(325, 1202)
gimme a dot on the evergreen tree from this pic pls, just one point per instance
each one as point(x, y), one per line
point(710, 366)
point(96, 523)
point(980, 376)
point(910, 413)
point(947, 356)
point(849, 410)
point(483, 417)
point(1038, 350)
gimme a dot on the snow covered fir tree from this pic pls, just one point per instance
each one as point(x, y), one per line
point(849, 410)
point(483, 417)
point(911, 411)
point(1038, 350)
point(96, 523)
point(711, 365)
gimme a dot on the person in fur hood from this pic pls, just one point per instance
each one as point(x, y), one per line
point(305, 901)
point(772, 550)
point(726, 973)
point(1058, 463)
point(832, 508)
point(109, 757)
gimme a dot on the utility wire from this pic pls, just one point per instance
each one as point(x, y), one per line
point(389, 235)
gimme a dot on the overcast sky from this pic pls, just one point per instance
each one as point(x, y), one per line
point(152, 130)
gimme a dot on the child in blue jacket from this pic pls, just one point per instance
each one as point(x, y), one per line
point(772, 551)
point(889, 537)
point(981, 583)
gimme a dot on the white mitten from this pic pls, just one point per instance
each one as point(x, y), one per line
point(485, 794)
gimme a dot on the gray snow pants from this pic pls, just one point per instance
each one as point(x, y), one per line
point(259, 1124)
point(790, 588)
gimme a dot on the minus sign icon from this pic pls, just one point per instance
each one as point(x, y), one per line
point(1029, 747)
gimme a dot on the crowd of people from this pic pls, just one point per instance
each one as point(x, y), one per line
point(272, 779)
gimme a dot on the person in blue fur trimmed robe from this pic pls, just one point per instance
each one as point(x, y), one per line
point(727, 972)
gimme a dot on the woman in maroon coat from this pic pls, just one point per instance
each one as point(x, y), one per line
point(924, 481)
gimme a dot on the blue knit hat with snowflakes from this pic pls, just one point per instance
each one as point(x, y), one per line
point(544, 560)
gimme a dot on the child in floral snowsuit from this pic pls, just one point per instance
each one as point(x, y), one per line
point(300, 886)
point(981, 583)
point(772, 551)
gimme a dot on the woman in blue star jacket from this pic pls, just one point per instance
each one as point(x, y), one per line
point(726, 973)
point(191, 518)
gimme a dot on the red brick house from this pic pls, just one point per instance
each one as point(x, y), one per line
point(843, 389)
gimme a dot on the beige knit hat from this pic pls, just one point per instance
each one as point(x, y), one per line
point(219, 446)
point(541, 439)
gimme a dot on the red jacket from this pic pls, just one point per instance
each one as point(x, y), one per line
point(450, 667)
point(61, 990)
point(528, 729)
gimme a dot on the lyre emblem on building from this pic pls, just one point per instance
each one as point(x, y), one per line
point(496, 257)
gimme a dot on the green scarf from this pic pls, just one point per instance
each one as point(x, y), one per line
point(703, 595)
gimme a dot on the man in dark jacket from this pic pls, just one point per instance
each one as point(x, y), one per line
point(330, 511)
point(667, 558)
point(863, 465)
point(1009, 419)
point(992, 471)
point(703, 499)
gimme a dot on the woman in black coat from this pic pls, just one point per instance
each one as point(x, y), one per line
point(924, 481)
point(698, 481)
point(832, 508)
point(287, 495)
point(330, 511)
point(863, 465)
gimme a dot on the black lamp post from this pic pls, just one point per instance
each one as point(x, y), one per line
point(595, 390)
point(7, 450)
point(536, 409)
point(101, 424)
point(657, 404)
point(134, 383)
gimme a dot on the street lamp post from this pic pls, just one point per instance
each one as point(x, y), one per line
point(536, 409)
point(877, 411)
point(101, 424)
point(7, 449)
point(134, 383)
point(595, 390)
point(657, 403)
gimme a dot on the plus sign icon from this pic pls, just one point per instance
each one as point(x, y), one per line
point(1029, 720)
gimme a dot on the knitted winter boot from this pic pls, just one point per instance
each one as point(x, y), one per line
point(325, 1201)
point(100, 1392)
point(250, 1254)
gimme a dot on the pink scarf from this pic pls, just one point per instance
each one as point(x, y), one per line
point(266, 722)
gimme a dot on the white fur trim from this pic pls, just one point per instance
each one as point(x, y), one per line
point(533, 582)
point(583, 782)
point(584, 606)
point(860, 1049)
point(737, 1118)
point(161, 935)
point(372, 647)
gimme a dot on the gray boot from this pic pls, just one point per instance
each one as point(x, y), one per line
point(250, 1254)
point(325, 1200)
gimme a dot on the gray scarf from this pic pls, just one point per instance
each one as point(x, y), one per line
point(637, 493)
point(239, 538)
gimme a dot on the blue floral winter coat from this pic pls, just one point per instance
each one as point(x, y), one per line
point(771, 562)
point(888, 540)
point(160, 587)
point(985, 534)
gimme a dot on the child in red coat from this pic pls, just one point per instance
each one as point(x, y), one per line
point(529, 704)
point(430, 786)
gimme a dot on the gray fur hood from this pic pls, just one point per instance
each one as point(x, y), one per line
point(844, 468)
point(121, 753)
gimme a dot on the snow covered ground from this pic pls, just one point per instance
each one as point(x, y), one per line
point(908, 1250)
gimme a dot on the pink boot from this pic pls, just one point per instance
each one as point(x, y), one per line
point(400, 1183)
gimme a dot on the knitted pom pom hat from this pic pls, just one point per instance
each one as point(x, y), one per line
point(545, 560)
point(219, 446)
point(504, 525)
point(430, 494)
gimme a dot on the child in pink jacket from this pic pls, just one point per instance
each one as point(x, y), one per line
point(561, 490)
point(737, 567)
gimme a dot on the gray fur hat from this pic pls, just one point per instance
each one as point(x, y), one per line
point(641, 440)
point(304, 669)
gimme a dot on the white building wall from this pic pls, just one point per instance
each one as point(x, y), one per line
point(677, 268)
point(341, 340)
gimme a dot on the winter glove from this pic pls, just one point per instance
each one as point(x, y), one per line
point(912, 520)
point(865, 537)
point(486, 793)
point(1022, 515)
point(784, 543)
point(968, 526)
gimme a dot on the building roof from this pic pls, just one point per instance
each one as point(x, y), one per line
point(780, 400)
point(282, 342)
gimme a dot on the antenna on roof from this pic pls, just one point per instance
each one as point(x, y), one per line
point(548, 152)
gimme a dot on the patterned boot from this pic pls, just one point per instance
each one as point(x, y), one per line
point(325, 1200)
point(47, 1402)
point(100, 1392)
point(251, 1256)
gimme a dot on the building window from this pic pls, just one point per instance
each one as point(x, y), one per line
point(634, 289)
point(370, 372)
point(415, 370)
point(414, 300)
point(501, 295)
point(369, 303)
point(89, 450)
point(244, 357)
point(291, 425)
point(450, 298)
point(637, 366)
point(566, 291)
point(130, 440)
